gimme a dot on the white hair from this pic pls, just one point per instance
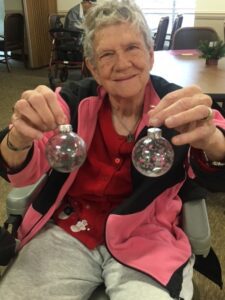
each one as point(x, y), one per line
point(109, 13)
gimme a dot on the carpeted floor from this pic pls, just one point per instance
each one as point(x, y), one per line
point(14, 83)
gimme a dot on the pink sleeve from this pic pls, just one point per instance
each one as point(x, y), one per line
point(219, 119)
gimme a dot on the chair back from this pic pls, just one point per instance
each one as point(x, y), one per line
point(176, 25)
point(190, 37)
point(161, 33)
point(13, 31)
point(56, 21)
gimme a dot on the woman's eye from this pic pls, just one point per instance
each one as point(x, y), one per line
point(132, 47)
point(107, 54)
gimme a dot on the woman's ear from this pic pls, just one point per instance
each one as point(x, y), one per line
point(93, 70)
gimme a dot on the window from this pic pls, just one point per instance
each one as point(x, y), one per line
point(2, 15)
point(155, 9)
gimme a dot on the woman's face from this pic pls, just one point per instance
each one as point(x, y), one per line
point(122, 60)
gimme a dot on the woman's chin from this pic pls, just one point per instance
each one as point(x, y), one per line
point(127, 91)
point(126, 94)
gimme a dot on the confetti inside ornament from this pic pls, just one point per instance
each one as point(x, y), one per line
point(66, 151)
point(153, 155)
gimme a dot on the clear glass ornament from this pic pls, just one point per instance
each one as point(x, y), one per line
point(153, 155)
point(66, 151)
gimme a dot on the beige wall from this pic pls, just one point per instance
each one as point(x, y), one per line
point(209, 6)
point(211, 13)
point(13, 5)
point(65, 5)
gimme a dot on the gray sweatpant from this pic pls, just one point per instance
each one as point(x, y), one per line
point(56, 266)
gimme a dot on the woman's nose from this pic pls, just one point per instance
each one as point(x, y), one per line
point(122, 61)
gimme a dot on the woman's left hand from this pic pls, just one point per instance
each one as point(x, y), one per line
point(189, 112)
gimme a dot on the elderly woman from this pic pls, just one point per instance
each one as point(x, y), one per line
point(108, 222)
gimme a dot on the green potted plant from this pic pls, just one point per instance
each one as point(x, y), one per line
point(212, 51)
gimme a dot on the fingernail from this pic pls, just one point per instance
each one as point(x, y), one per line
point(62, 120)
point(154, 122)
point(169, 121)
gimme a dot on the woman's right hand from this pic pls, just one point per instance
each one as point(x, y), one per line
point(36, 112)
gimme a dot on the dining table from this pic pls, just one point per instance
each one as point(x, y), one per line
point(185, 67)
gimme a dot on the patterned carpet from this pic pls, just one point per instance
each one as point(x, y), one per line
point(14, 83)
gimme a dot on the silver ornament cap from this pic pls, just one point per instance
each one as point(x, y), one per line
point(65, 128)
point(154, 133)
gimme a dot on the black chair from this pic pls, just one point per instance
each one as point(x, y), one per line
point(219, 99)
point(189, 37)
point(160, 35)
point(56, 21)
point(176, 25)
point(13, 38)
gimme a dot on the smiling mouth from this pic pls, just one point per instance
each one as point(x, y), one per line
point(125, 78)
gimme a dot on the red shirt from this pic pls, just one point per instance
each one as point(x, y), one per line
point(101, 184)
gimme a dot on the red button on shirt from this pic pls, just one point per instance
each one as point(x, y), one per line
point(102, 184)
point(117, 161)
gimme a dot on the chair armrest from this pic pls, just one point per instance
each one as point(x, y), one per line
point(18, 199)
point(195, 224)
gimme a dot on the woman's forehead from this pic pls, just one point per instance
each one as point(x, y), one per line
point(112, 34)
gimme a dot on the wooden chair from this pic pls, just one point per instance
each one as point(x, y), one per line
point(13, 38)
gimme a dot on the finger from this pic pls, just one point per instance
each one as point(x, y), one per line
point(39, 105)
point(24, 110)
point(25, 130)
point(181, 105)
point(209, 116)
point(199, 113)
point(174, 96)
point(53, 104)
point(198, 137)
point(188, 91)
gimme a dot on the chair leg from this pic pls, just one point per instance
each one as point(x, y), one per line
point(24, 58)
point(223, 105)
point(6, 61)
